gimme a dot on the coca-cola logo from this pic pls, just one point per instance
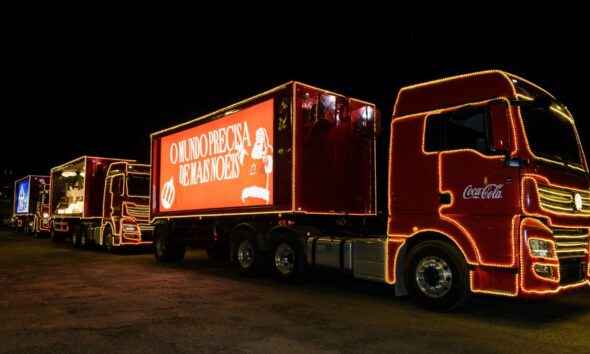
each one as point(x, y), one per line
point(490, 191)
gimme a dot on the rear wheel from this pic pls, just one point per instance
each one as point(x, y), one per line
point(246, 254)
point(165, 249)
point(437, 276)
point(83, 235)
point(287, 259)
point(76, 240)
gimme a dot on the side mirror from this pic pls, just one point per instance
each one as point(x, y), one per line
point(500, 128)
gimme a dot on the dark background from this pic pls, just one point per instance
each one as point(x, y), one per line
point(74, 89)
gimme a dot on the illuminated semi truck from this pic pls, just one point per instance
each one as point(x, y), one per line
point(31, 205)
point(101, 202)
point(487, 189)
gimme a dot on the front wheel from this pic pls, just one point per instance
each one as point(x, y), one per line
point(107, 242)
point(165, 249)
point(54, 236)
point(437, 276)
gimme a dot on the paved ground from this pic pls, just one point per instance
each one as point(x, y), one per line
point(55, 299)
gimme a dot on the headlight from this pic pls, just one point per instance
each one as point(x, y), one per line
point(45, 215)
point(128, 227)
point(540, 248)
point(543, 270)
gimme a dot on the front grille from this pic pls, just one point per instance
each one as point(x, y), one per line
point(570, 242)
point(561, 200)
point(145, 226)
point(139, 210)
point(571, 271)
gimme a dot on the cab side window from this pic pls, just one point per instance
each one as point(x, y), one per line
point(462, 129)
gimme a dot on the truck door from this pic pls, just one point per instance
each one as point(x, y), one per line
point(478, 191)
point(113, 203)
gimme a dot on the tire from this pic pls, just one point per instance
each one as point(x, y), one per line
point(76, 240)
point(54, 236)
point(437, 276)
point(165, 249)
point(83, 235)
point(27, 227)
point(287, 261)
point(247, 256)
point(107, 241)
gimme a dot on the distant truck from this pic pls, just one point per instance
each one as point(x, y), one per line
point(101, 201)
point(479, 197)
point(31, 205)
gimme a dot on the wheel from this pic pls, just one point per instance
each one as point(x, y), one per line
point(165, 249)
point(83, 235)
point(437, 276)
point(76, 240)
point(246, 255)
point(287, 260)
point(54, 236)
point(107, 242)
point(27, 228)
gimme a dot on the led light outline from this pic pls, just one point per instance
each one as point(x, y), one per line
point(494, 292)
point(391, 278)
point(559, 289)
point(424, 116)
point(570, 118)
point(515, 140)
point(18, 216)
point(533, 177)
point(293, 210)
point(125, 216)
point(53, 217)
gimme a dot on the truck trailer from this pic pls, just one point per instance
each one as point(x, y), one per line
point(101, 201)
point(479, 199)
point(31, 205)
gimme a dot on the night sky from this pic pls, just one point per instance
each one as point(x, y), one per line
point(102, 91)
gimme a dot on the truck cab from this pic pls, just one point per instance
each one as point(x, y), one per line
point(125, 220)
point(488, 190)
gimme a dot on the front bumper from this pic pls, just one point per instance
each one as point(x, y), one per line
point(565, 269)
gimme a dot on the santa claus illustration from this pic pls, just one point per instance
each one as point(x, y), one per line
point(258, 168)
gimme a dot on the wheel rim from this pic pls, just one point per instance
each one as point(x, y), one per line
point(284, 259)
point(107, 241)
point(434, 276)
point(246, 254)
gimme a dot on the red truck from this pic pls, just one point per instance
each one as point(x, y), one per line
point(480, 198)
point(101, 201)
point(31, 205)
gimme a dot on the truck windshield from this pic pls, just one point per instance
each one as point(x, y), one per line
point(138, 186)
point(551, 135)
